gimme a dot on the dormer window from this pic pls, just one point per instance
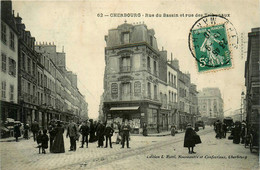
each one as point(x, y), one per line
point(125, 37)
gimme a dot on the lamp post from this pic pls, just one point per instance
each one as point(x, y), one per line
point(242, 104)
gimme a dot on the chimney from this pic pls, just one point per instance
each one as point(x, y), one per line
point(162, 48)
point(63, 49)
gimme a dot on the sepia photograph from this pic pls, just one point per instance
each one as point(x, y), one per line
point(119, 84)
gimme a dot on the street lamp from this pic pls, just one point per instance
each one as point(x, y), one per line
point(242, 105)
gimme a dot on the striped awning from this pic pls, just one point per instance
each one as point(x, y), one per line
point(125, 108)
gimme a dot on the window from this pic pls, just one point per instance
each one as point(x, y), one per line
point(149, 90)
point(149, 63)
point(169, 96)
point(126, 89)
point(23, 61)
point(3, 32)
point(3, 90)
point(12, 40)
point(126, 64)
point(33, 68)
point(29, 88)
point(34, 91)
point(11, 93)
point(12, 67)
point(155, 92)
point(29, 65)
point(126, 38)
point(154, 67)
point(3, 62)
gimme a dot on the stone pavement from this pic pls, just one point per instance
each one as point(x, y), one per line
point(212, 153)
point(24, 155)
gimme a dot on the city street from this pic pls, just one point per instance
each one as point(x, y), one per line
point(165, 152)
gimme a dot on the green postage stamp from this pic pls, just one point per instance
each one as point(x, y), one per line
point(211, 47)
point(211, 42)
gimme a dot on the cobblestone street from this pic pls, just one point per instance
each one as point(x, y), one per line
point(143, 154)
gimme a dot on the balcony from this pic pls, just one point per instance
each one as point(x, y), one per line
point(125, 69)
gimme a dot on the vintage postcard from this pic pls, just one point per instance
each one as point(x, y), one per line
point(118, 84)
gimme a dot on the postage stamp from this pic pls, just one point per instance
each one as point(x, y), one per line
point(212, 41)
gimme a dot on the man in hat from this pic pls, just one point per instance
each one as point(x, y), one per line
point(126, 132)
point(72, 132)
point(84, 130)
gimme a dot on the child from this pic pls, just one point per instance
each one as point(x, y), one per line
point(39, 141)
point(44, 140)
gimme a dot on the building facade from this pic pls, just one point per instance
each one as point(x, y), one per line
point(61, 98)
point(35, 84)
point(252, 78)
point(9, 64)
point(210, 104)
point(27, 71)
point(131, 80)
point(140, 85)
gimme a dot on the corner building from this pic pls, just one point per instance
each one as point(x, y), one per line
point(131, 80)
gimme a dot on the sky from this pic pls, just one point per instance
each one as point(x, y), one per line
point(76, 26)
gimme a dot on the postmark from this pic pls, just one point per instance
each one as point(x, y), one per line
point(212, 41)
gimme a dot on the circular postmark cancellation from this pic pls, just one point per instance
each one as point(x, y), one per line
point(212, 41)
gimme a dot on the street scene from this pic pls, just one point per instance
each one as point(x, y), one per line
point(129, 85)
point(145, 152)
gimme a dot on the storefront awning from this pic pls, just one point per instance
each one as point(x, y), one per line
point(125, 108)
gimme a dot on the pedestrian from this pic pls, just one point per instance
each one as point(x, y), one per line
point(126, 133)
point(26, 131)
point(224, 130)
point(91, 131)
point(173, 129)
point(52, 133)
point(72, 132)
point(145, 129)
point(237, 133)
point(218, 127)
point(196, 127)
point(35, 129)
point(100, 134)
point(243, 132)
point(45, 140)
point(58, 141)
point(84, 130)
point(108, 133)
point(17, 132)
point(189, 141)
point(39, 141)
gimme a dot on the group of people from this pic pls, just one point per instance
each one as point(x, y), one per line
point(88, 130)
point(220, 129)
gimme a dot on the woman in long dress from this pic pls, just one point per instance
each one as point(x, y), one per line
point(189, 141)
point(58, 144)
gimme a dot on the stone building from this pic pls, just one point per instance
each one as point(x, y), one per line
point(140, 85)
point(9, 64)
point(252, 78)
point(131, 80)
point(62, 99)
point(168, 92)
point(210, 104)
point(27, 70)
